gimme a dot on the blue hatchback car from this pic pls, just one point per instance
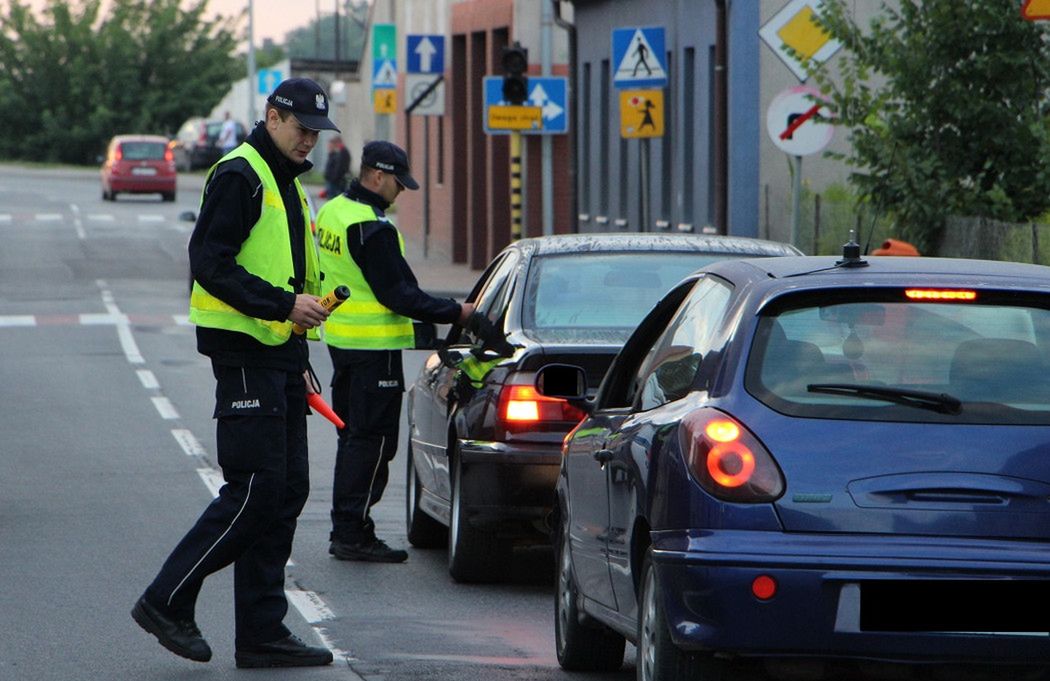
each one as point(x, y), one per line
point(814, 459)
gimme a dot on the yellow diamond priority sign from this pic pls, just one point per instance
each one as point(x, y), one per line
point(794, 34)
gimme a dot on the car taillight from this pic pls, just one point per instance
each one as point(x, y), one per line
point(169, 155)
point(118, 154)
point(521, 407)
point(727, 460)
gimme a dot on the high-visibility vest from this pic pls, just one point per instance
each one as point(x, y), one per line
point(362, 322)
point(266, 253)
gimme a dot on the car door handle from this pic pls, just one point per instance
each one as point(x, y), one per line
point(603, 456)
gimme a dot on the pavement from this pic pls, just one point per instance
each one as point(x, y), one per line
point(441, 278)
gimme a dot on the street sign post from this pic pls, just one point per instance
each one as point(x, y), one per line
point(795, 36)
point(384, 68)
point(545, 112)
point(638, 56)
point(269, 79)
point(641, 113)
point(425, 53)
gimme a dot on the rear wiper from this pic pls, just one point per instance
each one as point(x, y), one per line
point(920, 399)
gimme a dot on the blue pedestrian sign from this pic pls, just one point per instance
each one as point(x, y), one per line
point(426, 53)
point(384, 74)
point(548, 94)
point(269, 79)
point(638, 56)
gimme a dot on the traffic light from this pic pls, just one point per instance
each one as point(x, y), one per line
point(515, 61)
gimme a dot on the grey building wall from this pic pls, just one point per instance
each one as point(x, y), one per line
point(681, 182)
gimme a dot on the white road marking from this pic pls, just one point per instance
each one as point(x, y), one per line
point(18, 320)
point(151, 218)
point(147, 379)
point(309, 605)
point(165, 408)
point(101, 217)
point(190, 444)
point(78, 224)
point(5, 217)
point(48, 217)
point(124, 335)
point(212, 480)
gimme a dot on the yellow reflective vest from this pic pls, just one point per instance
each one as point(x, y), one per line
point(362, 322)
point(266, 253)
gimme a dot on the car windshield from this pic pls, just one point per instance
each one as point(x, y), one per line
point(961, 361)
point(600, 297)
point(143, 151)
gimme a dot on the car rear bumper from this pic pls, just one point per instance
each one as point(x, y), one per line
point(825, 603)
point(142, 184)
point(504, 482)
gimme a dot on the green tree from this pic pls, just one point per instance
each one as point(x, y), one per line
point(945, 104)
point(71, 78)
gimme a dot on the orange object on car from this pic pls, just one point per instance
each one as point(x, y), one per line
point(896, 247)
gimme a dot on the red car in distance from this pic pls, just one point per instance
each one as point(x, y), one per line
point(138, 164)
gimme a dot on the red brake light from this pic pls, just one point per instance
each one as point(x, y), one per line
point(939, 294)
point(118, 153)
point(521, 407)
point(727, 460)
point(169, 155)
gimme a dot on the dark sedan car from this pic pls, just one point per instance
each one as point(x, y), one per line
point(815, 458)
point(483, 446)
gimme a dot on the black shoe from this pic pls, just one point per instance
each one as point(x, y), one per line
point(181, 637)
point(374, 551)
point(285, 652)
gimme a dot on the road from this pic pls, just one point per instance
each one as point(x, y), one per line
point(108, 456)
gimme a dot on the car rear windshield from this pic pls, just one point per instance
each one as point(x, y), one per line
point(143, 151)
point(600, 297)
point(889, 357)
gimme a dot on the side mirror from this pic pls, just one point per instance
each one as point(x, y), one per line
point(566, 381)
point(426, 337)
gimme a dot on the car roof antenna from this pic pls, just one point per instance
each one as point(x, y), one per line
point(851, 253)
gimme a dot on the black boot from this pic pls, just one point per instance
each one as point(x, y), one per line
point(286, 652)
point(181, 637)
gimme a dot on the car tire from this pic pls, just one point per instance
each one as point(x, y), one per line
point(107, 195)
point(659, 659)
point(580, 647)
point(474, 555)
point(423, 531)
point(169, 197)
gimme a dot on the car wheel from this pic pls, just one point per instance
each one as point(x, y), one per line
point(423, 531)
point(107, 195)
point(169, 196)
point(659, 659)
point(474, 555)
point(580, 647)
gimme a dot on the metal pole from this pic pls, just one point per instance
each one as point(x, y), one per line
point(546, 143)
point(645, 183)
point(796, 198)
point(251, 66)
point(426, 182)
point(515, 186)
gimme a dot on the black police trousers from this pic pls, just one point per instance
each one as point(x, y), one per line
point(366, 393)
point(261, 442)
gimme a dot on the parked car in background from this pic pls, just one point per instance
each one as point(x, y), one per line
point(484, 448)
point(195, 145)
point(138, 164)
point(814, 460)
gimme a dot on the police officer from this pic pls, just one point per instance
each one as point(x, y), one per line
point(362, 249)
point(256, 273)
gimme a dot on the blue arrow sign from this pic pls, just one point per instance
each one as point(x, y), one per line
point(550, 94)
point(638, 56)
point(426, 53)
point(269, 79)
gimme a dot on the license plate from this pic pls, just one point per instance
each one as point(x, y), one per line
point(143, 171)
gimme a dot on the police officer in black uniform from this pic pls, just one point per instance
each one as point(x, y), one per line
point(256, 273)
point(362, 249)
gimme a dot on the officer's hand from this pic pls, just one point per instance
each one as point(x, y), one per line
point(465, 311)
point(307, 312)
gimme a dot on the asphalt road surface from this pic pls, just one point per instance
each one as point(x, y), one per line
point(107, 457)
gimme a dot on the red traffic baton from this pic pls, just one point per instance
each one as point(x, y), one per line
point(318, 404)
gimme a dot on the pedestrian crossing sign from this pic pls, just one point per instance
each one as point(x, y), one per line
point(639, 56)
point(641, 113)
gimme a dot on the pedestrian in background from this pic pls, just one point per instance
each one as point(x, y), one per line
point(256, 273)
point(362, 249)
point(227, 139)
point(336, 167)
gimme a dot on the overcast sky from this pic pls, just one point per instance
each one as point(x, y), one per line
point(272, 18)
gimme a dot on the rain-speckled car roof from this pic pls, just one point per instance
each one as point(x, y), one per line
point(576, 243)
